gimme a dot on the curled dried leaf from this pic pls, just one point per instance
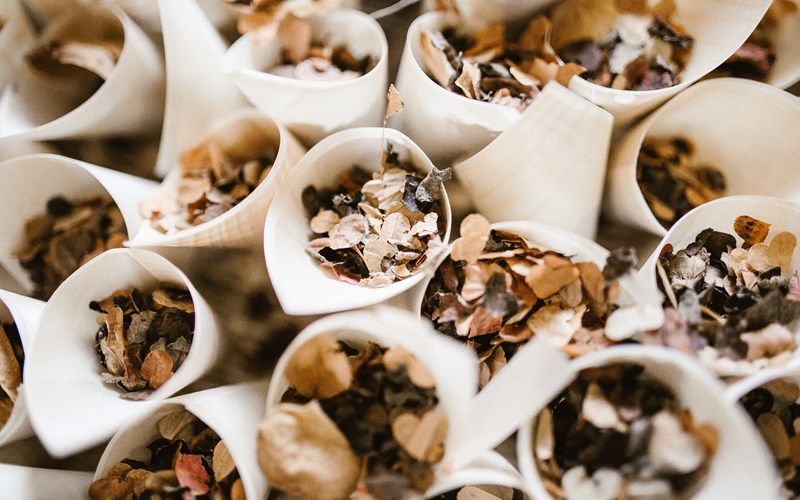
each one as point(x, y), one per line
point(192, 474)
point(751, 230)
point(475, 231)
point(398, 357)
point(319, 368)
point(157, 368)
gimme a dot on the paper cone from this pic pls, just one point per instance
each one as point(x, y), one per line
point(15, 36)
point(193, 49)
point(487, 12)
point(310, 109)
point(128, 102)
point(738, 389)
point(70, 408)
point(30, 483)
point(453, 367)
point(12, 148)
point(24, 312)
point(491, 469)
point(786, 70)
point(719, 27)
point(29, 181)
point(549, 166)
point(756, 158)
point(243, 225)
point(233, 412)
point(741, 466)
point(303, 287)
point(146, 13)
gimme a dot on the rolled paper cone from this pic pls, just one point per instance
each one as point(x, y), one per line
point(549, 166)
point(313, 109)
point(741, 466)
point(490, 469)
point(786, 70)
point(146, 13)
point(303, 287)
point(233, 412)
point(16, 34)
point(31, 483)
point(738, 389)
point(129, 101)
point(24, 312)
point(12, 148)
point(242, 225)
point(755, 159)
point(25, 194)
point(453, 367)
point(70, 408)
point(719, 27)
point(192, 48)
point(487, 12)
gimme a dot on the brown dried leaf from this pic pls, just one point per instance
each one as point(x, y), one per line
point(97, 57)
point(156, 368)
point(295, 37)
point(770, 341)
point(565, 73)
point(237, 490)
point(111, 488)
point(783, 245)
point(302, 452)
point(191, 474)
point(174, 424)
point(423, 438)
point(222, 462)
point(544, 442)
point(774, 433)
point(419, 375)
point(175, 297)
point(672, 449)
point(577, 20)
point(394, 102)
point(319, 368)
point(432, 45)
point(475, 231)
point(324, 221)
point(10, 373)
point(599, 411)
point(549, 277)
point(751, 230)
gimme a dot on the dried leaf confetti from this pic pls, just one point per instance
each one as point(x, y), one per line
point(11, 364)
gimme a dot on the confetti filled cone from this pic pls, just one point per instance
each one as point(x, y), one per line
point(756, 159)
point(25, 196)
point(16, 34)
point(233, 412)
point(301, 284)
point(70, 408)
point(24, 312)
point(31, 483)
point(741, 466)
point(313, 109)
point(242, 225)
point(35, 106)
point(192, 48)
point(549, 166)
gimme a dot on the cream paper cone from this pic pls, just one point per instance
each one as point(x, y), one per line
point(243, 225)
point(25, 313)
point(738, 389)
point(146, 13)
point(490, 469)
point(312, 110)
point(741, 466)
point(128, 102)
point(30, 483)
point(70, 408)
point(487, 12)
point(719, 27)
point(303, 287)
point(786, 70)
point(233, 412)
point(15, 35)
point(548, 167)
point(29, 181)
point(12, 148)
point(753, 150)
point(197, 93)
point(453, 367)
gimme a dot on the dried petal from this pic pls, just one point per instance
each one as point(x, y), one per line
point(191, 474)
point(672, 450)
point(222, 463)
point(157, 368)
point(398, 356)
point(319, 369)
point(751, 230)
point(475, 231)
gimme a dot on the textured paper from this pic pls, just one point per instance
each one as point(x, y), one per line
point(128, 102)
point(29, 181)
point(549, 166)
point(243, 225)
point(233, 412)
point(301, 284)
point(752, 151)
point(313, 110)
point(70, 408)
point(30, 483)
point(741, 467)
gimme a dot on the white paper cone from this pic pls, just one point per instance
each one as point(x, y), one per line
point(11, 148)
point(70, 408)
point(453, 367)
point(752, 151)
point(718, 27)
point(311, 109)
point(129, 101)
point(197, 93)
point(29, 181)
point(233, 412)
point(25, 313)
point(243, 225)
point(786, 44)
point(549, 166)
point(738, 389)
point(303, 287)
point(146, 13)
point(30, 483)
point(15, 36)
point(741, 466)
point(487, 12)
point(490, 469)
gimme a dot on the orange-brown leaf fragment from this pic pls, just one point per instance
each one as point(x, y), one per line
point(417, 373)
point(111, 488)
point(394, 101)
point(157, 368)
point(751, 230)
point(222, 462)
point(191, 474)
point(475, 231)
point(319, 368)
point(10, 374)
point(548, 278)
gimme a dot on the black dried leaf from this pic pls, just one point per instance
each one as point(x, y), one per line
point(774, 308)
point(497, 300)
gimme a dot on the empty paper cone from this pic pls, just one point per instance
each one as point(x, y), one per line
point(490, 470)
point(718, 27)
point(30, 181)
point(315, 109)
point(16, 32)
point(549, 166)
point(238, 134)
point(36, 105)
point(301, 284)
point(24, 313)
point(755, 159)
point(452, 367)
point(197, 93)
point(31, 483)
point(233, 412)
point(741, 465)
point(70, 408)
